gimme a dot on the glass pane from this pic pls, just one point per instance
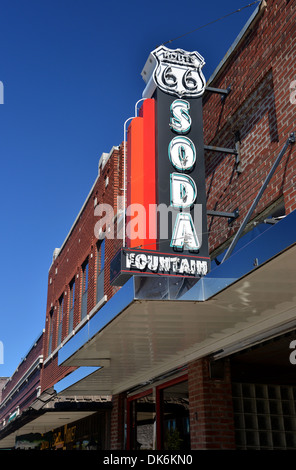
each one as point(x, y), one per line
point(100, 286)
point(72, 294)
point(71, 315)
point(84, 305)
point(143, 423)
point(175, 405)
point(85, 277)
point(60, 334)
point(102, 257)
point(49, 344)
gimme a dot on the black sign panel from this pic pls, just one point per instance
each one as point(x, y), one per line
point(170, 142)
point(182, 240)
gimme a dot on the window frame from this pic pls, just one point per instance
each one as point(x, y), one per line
point(84, 285)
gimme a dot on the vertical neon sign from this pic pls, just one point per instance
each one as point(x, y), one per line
point(166, 170)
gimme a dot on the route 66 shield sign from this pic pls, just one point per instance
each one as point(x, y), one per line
point(179, 72)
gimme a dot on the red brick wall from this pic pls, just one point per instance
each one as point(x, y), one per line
point(80, 244)
point(259, 73)
point(3, 381)
point(211, 411)
point(117, 423)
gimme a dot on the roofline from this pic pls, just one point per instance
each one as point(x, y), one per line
point(254, 17)
point(241, 36)
point(107, 156)
point(147, 72)
point(26, 374)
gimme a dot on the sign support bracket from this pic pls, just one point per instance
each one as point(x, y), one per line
point(213, 148)
point(235, 152)
point(230, 215)
point(224, 92)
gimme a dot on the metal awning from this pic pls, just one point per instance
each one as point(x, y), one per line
point(43, 424)
point(131, 340)
point(49, 412)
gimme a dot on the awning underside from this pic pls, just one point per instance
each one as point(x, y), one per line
point(151, 337)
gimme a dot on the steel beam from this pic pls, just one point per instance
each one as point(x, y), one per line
point(224, 92)
point(213, 148)
point(290, 141)
point(230, 215)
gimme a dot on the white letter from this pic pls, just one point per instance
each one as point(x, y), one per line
point(180, 120)
point(104, 221)
point(184, 266)
point(151, 459)
point(1, 93)
point(293, 354)
point(136, 227)
point(161, 211)
point(130, 259)
point(201, 267)
point(120, 217)
point(184, 235)
point(164, 263)
point(183, 190)
point(182, 153)
point(293, 92)
point(152, 262)
point(141, 261)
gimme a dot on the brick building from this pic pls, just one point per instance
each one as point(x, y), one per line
point(204, 364)
point(3, 381)
point(20, 391)
point(78, 283)
point(209, 367)
point(78, 286)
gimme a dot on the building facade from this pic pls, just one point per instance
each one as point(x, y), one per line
point(20, 391)
point(207, 365)
point(175, 362)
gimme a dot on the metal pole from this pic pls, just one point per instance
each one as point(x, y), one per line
point(136, 106)
point(124, 169)
point(124, 180)
point(291, 140)
point(220, 149)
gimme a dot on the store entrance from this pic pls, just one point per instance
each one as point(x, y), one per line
point(174, 408)
point(159, 418)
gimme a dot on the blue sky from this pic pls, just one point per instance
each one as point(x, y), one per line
point(71, 74)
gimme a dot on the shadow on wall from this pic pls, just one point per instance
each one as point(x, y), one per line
point(259, 105)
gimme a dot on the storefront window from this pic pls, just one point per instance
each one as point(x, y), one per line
point(142, 423)
point(174, 405)
point(159, 418)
